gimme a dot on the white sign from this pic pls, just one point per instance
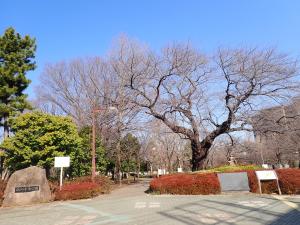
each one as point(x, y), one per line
point(265, 166)
point(62, 161)
point(266, 175)
point(159, 172)
point(179, 170)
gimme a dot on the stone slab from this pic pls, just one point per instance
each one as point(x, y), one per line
point(27, 186)
point(234, 181)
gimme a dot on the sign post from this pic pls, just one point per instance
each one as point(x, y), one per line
point(61, 162)
point(267, 175)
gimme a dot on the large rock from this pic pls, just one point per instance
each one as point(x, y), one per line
point(26, 187)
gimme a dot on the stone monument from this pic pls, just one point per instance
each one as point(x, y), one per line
point(237, 181)
point(27, 186)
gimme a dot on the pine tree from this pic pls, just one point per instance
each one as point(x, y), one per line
point(16, 58)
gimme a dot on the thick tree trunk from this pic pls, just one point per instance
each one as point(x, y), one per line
point(199, 154)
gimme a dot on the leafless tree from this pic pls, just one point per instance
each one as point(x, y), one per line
point(83, 86)
point(277, 132)
point(182, 88)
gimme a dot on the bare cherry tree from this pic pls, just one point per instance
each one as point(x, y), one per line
point(202, 98)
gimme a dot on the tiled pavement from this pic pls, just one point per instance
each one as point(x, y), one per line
point(130, 205)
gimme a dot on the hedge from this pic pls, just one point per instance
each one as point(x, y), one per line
point(186, 184)
point(78, 191)
point(81, 188)
point(208, 183)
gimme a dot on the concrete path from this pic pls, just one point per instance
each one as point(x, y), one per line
point(130, 205)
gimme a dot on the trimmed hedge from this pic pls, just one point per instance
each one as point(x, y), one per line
point(78, 191)
point(187, 184)
point(81, 188)
point(208, 183)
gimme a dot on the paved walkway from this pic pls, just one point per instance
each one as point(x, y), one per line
point(130, 205)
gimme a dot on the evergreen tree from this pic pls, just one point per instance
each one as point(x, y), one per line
point(16, 58)
point(38, 138)
point(130, 148)
point(102, 160)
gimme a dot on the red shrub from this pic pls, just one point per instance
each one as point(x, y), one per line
point(208, 183)
point(81, 187)
point(186, 184)
point(289, 180)
point(78, 191)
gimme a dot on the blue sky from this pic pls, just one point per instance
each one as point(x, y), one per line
point(77, 28)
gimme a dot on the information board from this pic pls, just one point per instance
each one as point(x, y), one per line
point(267, 175)
point(62, 161)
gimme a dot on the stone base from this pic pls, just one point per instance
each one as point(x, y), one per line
point(27, 186)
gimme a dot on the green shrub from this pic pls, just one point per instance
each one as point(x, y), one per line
point(227, 168)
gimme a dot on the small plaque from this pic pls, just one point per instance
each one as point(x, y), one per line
point(266, 175)
point(26, 189)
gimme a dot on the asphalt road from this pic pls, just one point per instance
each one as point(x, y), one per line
point(131, 205)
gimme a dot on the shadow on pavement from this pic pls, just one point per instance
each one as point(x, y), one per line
point(290, 218)
point(216, 212)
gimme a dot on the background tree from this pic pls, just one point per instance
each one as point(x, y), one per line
point(78, 87)
point(38, 138)
point(130, 151)
point(16, 58)
point(200, 98)
point(101, 155)
point(277, 132)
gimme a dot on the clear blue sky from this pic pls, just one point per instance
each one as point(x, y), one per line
point(67, 29)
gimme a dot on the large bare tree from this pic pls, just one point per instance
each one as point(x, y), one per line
point(203, 97)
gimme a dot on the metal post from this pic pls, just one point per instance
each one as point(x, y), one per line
point(93, 147)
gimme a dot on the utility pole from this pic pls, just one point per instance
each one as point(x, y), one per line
point(93, 144)
point(94, 111)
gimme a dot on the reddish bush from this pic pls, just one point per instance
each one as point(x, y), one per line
point(289, 180)
point(208, 183)
point(78, 191)
point(186, 184)
point(80, 188)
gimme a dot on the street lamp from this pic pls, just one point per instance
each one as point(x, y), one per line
point(94, 111)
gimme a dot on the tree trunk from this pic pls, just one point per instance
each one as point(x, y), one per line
point(199, 153)
point(5, 127)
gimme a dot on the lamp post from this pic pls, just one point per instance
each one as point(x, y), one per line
point(94, 111)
